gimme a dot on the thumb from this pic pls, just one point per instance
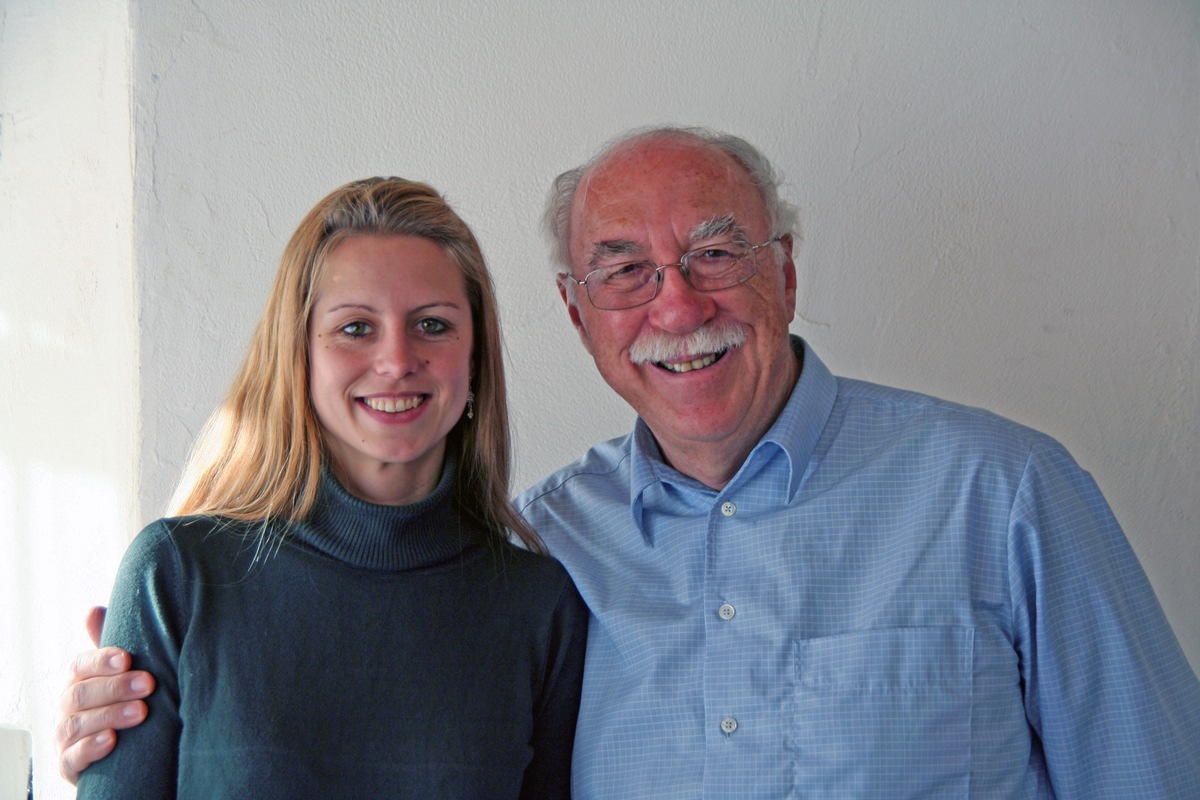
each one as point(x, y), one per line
point(94, 623)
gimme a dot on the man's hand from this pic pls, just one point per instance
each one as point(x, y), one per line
point(102, 697)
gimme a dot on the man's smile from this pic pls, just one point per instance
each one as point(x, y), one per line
point(694, 364)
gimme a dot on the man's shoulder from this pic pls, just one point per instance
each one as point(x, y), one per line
point(905, 404)
point(886, 411)
point(603, 468)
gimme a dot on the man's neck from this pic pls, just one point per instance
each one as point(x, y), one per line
point(709, 465)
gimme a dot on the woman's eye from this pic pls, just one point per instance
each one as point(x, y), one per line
point(356, 329)
point(430, 325)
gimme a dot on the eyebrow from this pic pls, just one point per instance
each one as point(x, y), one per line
point(371, 309)
point(726, 226)
point(609, 248)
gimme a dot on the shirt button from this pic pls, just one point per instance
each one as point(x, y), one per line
point(726, 612)
point(728, 725)
point(728, 508)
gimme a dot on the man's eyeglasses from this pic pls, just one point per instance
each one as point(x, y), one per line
point(706, 269)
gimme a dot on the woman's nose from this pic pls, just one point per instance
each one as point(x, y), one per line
point(396, 356)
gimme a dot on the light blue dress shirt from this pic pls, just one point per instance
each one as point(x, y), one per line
point(894, 597)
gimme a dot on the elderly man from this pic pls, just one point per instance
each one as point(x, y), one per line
point(803, 585)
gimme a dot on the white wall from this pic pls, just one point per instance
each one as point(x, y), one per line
point(68, 343)
point(1001, 201)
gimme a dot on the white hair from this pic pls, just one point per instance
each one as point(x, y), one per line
point(715, 337)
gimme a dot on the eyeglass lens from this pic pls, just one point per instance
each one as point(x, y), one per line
point(706, 269)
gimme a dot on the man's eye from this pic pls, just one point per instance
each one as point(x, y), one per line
point(356, 329)
point(625, 273)
point(431, 325)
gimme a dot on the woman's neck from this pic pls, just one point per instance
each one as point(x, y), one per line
point(388, 484)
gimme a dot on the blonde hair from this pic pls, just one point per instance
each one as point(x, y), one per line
point(259, 456)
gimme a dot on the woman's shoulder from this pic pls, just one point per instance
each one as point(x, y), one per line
point(190, 538)
point(528, 559)
point(533, 569)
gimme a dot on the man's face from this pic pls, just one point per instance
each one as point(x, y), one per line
point(656, 202)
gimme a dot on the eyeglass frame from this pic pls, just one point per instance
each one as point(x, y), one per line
point(683, 271)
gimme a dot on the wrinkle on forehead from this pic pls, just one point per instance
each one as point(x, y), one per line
point(636, 176)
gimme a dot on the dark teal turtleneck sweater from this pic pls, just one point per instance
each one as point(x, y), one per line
point(373, 651)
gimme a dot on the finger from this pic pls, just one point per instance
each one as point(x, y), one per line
point(77, 728)
point(100, 662)
point(76, 758)
point(94, 622)
point(98, 694)
point(89, 736)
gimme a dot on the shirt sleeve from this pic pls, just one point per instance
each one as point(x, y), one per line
point(549, 773)
point(1107, 688)
point(145, 617)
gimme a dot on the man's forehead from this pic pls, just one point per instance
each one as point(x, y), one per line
point(722, 226)
point(647, 167)
point(695, 192)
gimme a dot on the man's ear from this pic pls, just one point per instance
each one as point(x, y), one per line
point(573, 309)
point(788, 265)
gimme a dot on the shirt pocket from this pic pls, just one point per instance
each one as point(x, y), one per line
point(885, 713)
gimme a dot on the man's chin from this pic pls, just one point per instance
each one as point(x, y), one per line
point(699, 425)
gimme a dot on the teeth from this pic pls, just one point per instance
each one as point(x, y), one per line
point(688, 366)
point(393, 406)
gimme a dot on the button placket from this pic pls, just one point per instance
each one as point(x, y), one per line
point(726, 612)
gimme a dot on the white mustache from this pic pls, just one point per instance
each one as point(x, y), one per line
point(717, 337)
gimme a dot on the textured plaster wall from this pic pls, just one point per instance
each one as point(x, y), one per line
point(1001, 201)
point(68, 343)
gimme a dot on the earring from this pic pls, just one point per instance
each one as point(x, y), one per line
point(470, 404)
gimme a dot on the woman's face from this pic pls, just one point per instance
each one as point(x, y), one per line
point(389, 342)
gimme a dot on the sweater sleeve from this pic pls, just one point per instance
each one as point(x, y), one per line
point(146, 616)
point(549, 773)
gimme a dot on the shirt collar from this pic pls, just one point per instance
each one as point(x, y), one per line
point(794, 435)
point(798, 428)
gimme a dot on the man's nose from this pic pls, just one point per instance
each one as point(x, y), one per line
point(679, 308)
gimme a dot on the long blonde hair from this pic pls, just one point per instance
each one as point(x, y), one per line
point(259, 456)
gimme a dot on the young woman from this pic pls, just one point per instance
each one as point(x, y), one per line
point(339, 560)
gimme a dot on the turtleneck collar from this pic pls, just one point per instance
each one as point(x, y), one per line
point(388, 538)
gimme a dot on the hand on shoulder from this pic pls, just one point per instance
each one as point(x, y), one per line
point(102, 697)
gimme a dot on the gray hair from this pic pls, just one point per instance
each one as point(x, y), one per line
point(782, 216)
